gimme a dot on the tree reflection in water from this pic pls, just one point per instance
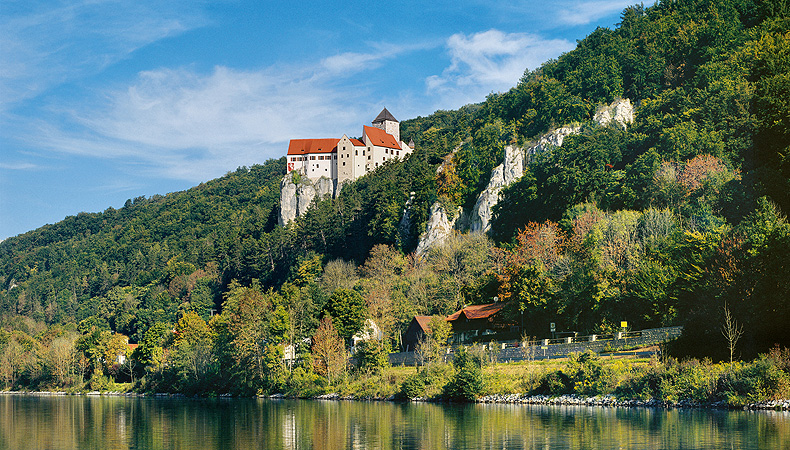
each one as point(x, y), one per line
point(77, 422)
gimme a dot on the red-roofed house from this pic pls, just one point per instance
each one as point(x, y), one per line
point(345, 158)
point(478, 321)
point(416, 331)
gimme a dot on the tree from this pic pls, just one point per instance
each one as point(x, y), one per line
point(348, 312)
point(63, 360)
point(338, 274)
point(431, 346)
point(11, 362)
point(192, 354)
point(731, 331)
point(329, 351)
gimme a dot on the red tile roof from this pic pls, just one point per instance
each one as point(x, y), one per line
point(381, 138)
point(477, 311)
point(422, 321)
point(357, 142)
point(305, 146)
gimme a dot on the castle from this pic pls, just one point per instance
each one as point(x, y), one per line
point(346, 158)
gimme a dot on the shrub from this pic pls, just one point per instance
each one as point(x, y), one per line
point(305, 383)
point(644, 383)
point(467, 382)
point(588, 375)
point(554, 383)
point(372, 356)
point(413, 386)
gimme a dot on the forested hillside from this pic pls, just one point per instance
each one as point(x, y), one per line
point(680, 218)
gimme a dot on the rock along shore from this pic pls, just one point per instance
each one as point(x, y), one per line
point(562, 400)
point(611, 401)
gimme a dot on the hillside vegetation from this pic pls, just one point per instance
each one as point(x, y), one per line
point(679, 219)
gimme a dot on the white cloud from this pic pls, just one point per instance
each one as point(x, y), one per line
point(354, 62)
point(17, 166)
point(490, 61)
point(582, 13)
point(43, 45)
point(185, 125)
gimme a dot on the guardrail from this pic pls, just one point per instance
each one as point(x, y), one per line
point(555, 348)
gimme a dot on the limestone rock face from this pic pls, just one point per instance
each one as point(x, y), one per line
point(553, 138)
point(620, 112)
point(504, 174)
point(297, 194)
point(509, 171)
point(438, 228)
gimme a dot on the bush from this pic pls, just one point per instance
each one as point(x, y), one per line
point(372, 356)
point(467, 382)
point(643, 384)
point(587, 374)
point(305, 383)
point(554, 383)
point(413, 386)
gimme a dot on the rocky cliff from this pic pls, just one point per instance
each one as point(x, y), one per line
point(440, 225)
point(297, 193)
point(620, 113)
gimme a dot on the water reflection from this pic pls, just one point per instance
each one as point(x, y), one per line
point(146, 423)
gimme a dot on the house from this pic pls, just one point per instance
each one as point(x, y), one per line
point(478, 322)
point(121, 358)
point(349, 158)
point(415, 332)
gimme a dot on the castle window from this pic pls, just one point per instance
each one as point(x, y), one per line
point(312, 158)
point(356, 152)
point(397, 153)
point(344, 163)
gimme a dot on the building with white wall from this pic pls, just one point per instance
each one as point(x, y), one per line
point(346, 158)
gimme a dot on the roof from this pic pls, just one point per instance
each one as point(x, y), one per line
point(380, 138)
point(357, 142)
point(384, 115)
point(477, 311)
point(422, 321)
point(305, 146)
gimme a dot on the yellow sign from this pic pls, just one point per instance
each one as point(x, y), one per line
point(624, 324)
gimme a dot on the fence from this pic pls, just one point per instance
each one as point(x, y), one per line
point(555, 348)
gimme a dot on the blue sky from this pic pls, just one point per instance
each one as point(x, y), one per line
point(102, 101)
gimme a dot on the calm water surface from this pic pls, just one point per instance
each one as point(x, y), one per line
point(151, 423)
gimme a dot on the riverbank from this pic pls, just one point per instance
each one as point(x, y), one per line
point(583, 379)
point(607, 401)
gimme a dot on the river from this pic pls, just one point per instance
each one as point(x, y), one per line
point(92, 422)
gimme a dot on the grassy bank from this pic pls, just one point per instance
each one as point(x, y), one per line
point(622, 378)
point(587, 375)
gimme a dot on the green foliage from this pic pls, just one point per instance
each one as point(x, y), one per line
point(372, 355)
point(347, 308)
point(467, 382)
point(661, 222)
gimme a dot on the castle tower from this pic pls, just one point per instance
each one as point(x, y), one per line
point(385, 121)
